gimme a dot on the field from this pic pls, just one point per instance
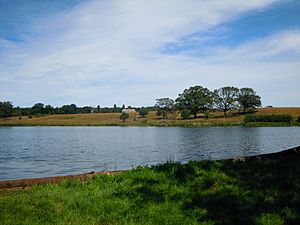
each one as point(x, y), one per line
point(262, 191)
point(112, 119)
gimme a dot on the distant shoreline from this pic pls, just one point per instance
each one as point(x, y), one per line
point(112, 119)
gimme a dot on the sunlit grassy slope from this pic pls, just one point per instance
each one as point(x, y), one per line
point(106, 119)
point(262, 192)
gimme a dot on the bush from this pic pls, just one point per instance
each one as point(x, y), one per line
point(185, 114)
point(143, 112)
point(282, 118)
point(298, 120)
point(124, 116)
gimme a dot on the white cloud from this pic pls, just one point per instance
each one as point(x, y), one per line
point(106, 52)
point(278, 45)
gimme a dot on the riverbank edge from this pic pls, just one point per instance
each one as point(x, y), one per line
point(164, 124)
point(21, 184)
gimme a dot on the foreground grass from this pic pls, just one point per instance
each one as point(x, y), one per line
point(112, 119)
point(205, 192)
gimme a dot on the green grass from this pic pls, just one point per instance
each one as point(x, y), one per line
point(206, 192)
point(281, 118)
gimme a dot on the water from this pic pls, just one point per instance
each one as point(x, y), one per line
point(28, 152)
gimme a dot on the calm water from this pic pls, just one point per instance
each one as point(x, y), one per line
point(27, 152)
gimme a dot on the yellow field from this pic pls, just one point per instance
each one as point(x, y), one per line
point(112, 119)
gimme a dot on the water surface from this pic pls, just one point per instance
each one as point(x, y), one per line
point(28, 152)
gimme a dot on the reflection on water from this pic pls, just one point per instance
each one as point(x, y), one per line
point(48, 151)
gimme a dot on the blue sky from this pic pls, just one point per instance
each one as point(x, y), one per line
point(132, 52)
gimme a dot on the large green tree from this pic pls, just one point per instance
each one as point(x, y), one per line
point(248, 99)
point(225, 98)
point(196, 99)
point(6, 109)
point(164, 107)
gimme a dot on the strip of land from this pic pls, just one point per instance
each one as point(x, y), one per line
point(262, 189)
point(112, 119)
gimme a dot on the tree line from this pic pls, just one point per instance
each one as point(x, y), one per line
point(198, 99)
point(194, 100)
point(7, 109)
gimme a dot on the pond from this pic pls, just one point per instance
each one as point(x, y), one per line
point(29, 152)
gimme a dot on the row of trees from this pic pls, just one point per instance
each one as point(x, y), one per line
point(192, 101)
point(7, 109)
point(198, 99)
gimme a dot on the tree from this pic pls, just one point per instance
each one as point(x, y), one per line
point(37, 108)
point(248, 99)
point(225, 98)
point(17, 111)
point(115, 108)
point(6, 109)
point(124, 116)
point(164, 106)
point(49, 109)
point(68, 109)
point(74, 108)
point(86, 109)
point(143, 112)
point(196, 99)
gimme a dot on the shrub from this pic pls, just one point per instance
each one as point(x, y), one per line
point(298, 120)
point(124, 116)
point(143, 112)
point(282, 118)
point(185, 114)
point(30, 117)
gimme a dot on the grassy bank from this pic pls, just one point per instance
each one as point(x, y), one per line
point(207, 192)
point(112, 119)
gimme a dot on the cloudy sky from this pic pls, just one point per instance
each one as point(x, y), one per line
point(91, 52)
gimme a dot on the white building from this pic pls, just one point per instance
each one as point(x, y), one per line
point(128, 111)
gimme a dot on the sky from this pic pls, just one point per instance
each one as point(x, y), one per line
point(105, 52)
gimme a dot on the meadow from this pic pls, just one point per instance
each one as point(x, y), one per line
point(112, 119)
point(262, 191)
